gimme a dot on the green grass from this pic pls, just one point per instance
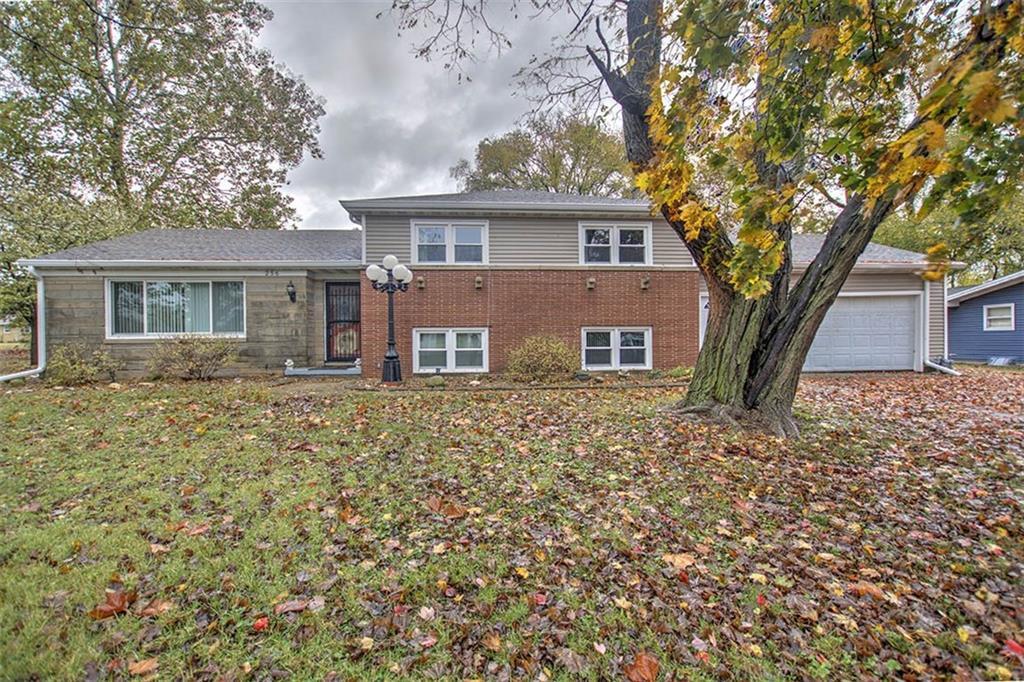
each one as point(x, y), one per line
point(562, 507)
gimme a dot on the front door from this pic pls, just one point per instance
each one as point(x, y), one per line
point(342, 309)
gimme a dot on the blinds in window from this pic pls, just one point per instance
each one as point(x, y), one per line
point(126, 307)
point(228, 308)
point(178, 307)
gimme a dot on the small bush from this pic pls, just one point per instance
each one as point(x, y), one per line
point(543, 358)
point(75, 364)
point(191, 357)
point(679, 372)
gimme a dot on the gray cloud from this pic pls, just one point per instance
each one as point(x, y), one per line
point(395, 124)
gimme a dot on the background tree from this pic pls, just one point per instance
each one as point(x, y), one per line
point(117, 115)
point(991, 246)
point(568, 154)
point(845, 100)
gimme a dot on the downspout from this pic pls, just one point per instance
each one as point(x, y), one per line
point(940, 368)
point(40, 331)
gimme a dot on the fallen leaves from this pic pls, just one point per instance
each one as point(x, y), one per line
point(891, 530)
point(293, 606)
point(115, 603)
point(679, 561)
point(492, 641)
point(144, 667)
point(155, 607)
point(644, 668)
point(447, 509)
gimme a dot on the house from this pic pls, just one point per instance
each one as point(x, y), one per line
point(982, 319)
point(11, 333)
point(489, 269)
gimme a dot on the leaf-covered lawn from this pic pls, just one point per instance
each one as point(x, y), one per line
point(246, 533)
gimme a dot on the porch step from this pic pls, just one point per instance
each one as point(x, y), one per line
point(350, 371)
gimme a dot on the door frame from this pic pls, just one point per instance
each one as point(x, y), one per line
point(359, 295)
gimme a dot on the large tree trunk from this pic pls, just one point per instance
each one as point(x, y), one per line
point(753, 351)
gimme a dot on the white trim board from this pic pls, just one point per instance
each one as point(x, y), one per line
point(1013, 316)
point(613, 227)
point(449, 240)
point(615, 347)
point(450, 333)
point(109, 335)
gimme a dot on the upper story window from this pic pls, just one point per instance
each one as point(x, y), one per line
point(449, 242)
point(615, 244)
point(999, 318)
point(159, 308)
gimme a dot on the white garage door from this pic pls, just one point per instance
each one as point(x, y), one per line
point(866, 333)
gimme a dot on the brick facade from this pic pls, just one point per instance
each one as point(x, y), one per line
point(515, 304)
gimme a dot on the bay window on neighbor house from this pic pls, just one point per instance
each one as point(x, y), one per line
point(449, 350)
point(615, 244)
point(160, 308)
point(999, 317)
point(449, 242)
point(610, 348)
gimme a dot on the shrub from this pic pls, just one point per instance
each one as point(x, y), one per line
point(543, 358)
point(679, 372)
point(191, 357)
point(75, 364)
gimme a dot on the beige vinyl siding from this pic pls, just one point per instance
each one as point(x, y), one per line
point(387, 235)
point(541, 241)
point(668, 247)
point(936, 320)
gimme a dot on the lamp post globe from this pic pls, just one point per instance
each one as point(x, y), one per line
point(392, 277)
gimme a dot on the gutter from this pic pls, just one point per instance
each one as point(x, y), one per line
point(270, 264)
point(945, 370)
point(40, 330)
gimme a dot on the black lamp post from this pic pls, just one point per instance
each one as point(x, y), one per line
point(391, 278)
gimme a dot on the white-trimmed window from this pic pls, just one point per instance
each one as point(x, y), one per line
point(449, 350)
point(999, 317)
point(616, 348)
point(445, 242)
point(161, 308)
point(615, 244)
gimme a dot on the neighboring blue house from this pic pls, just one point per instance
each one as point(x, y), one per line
point(983, 320)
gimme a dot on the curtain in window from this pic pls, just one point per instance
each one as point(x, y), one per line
point(126, 307)
point(228, 308)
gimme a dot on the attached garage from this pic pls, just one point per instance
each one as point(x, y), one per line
point(886, 318)
point(862, 333)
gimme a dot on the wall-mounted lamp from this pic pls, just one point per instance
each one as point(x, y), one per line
point(291, 291)
point(591, 282)
point(421, 283)
point(645, 282)
point(478, 282)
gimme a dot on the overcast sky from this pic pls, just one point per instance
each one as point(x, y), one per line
point(395, 124)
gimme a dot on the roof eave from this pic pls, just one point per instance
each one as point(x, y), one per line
point(361, 206)
point(987, 287)
point(81, 264)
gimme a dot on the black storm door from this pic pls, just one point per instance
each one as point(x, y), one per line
point(342, 308)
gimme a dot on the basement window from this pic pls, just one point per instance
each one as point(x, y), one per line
point(449, 350)
point(611, 348)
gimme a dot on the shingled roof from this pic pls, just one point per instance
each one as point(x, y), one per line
point(337, 247)
point(243, 247)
